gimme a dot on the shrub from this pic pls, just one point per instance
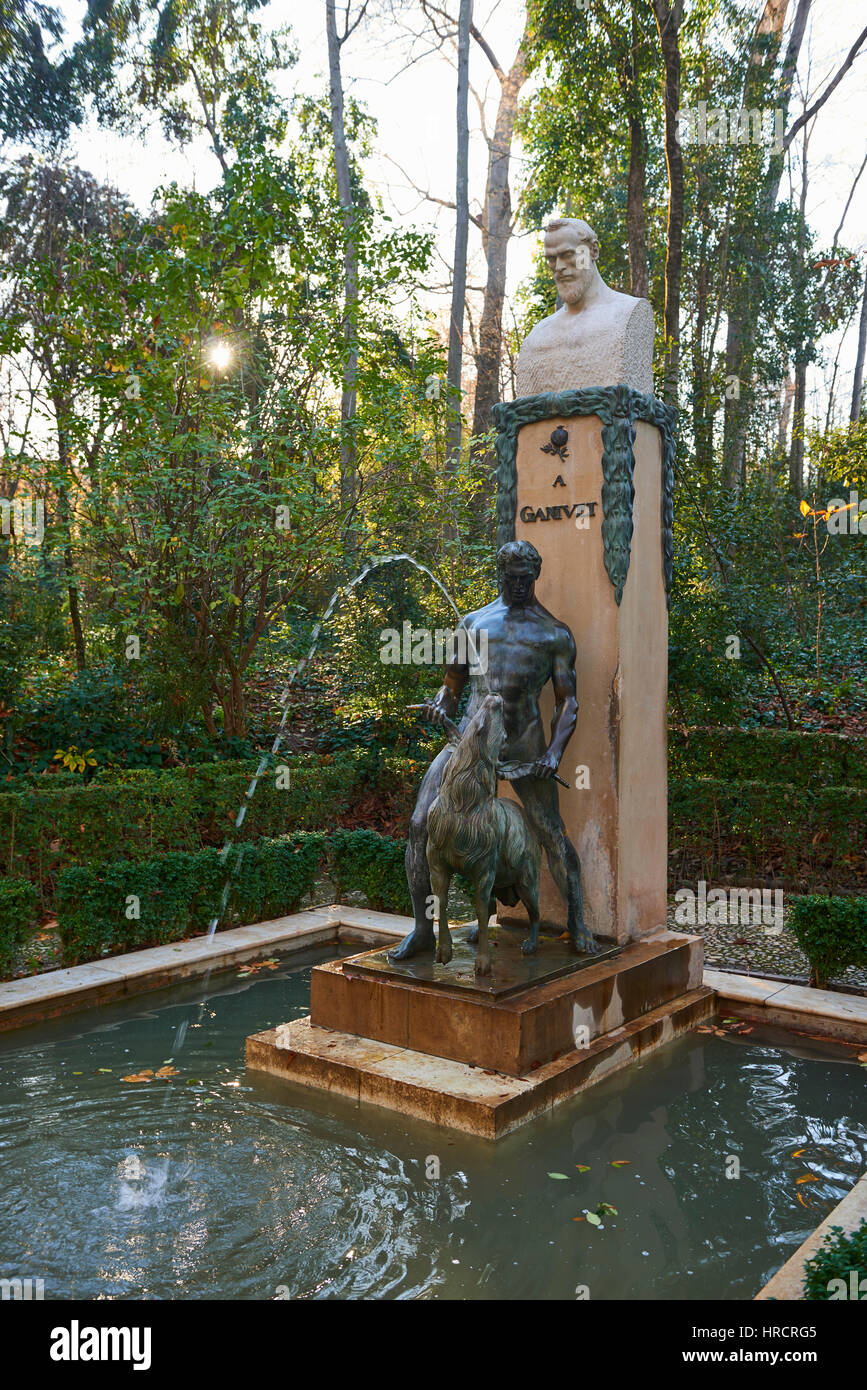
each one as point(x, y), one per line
point(140, 813)
point(719, 826)
point(832, 933)
point(19, 901)
point(372, 864)
point(176, 895)
point(836, 1257)
point(768, 755)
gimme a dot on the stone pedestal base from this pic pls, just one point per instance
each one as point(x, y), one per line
point(481, 1062)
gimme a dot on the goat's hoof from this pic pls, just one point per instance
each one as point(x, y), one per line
point(473, 935)
point(483, 965)
point(529, 947)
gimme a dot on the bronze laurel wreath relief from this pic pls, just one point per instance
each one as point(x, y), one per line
point(618, 407)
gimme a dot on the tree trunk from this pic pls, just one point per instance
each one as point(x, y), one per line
point(639, 272)
point(746, 247)
point(64, 516)
point(348, 480)
point(496, 236)
point(668, 19)
point(624, 50)
point(459, 279)
point(858, 381)
point(796, 452)
point(785, 417)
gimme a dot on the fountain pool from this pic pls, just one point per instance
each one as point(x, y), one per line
point(217, 1184)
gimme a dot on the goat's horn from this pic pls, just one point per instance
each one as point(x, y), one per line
point(451, 729)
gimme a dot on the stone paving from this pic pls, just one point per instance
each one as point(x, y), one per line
point(754, 949)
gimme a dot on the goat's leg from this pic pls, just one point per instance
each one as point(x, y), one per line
point(441, 882)
point(529, 896)
point(483, 911)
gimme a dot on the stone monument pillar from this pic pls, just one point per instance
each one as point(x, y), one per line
point(585, 472)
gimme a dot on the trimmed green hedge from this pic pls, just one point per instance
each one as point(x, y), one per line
point(19, 903)
point(836, 1258)
point(719, 828)
point(122, 906)
point(832, 933)
point(143, 812)
point(768, 755)
point(372, 864)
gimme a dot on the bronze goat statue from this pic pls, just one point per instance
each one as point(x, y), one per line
point(486, 838)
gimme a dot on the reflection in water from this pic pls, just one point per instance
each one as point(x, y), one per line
point(223, 1185)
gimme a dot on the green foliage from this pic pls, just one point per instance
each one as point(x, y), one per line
point(832, 933)
point(837, 1256)
point(797, 835)
point(141, 813)
point(768, 755)
point(43, 82)
point(373, 864)
point(123, 906)
point(19, 902)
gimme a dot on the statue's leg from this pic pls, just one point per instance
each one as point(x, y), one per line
point(540, 801)
point(420, 940)
point(483, 910)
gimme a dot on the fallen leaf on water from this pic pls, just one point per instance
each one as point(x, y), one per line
point(606, 1209)
point(704, 1030)
point(583, 1168)
point(105, 1069)
point(166, 1072)
point(800, 1198)
point(798, 1152)
point(862, 1056)
point(593, 1219)
point(557, 1175)
point(139, 1076)
point(579, 1218)
point(807, 1177)
point(620, 1162)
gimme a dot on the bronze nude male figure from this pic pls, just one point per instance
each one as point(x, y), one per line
point(526, 648)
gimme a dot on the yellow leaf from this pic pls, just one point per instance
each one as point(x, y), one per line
point(804, 509)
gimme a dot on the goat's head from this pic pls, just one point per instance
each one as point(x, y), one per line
point(488, 728)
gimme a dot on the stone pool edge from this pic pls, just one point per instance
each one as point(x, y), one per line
point(787, 1283)
point(35, 998)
